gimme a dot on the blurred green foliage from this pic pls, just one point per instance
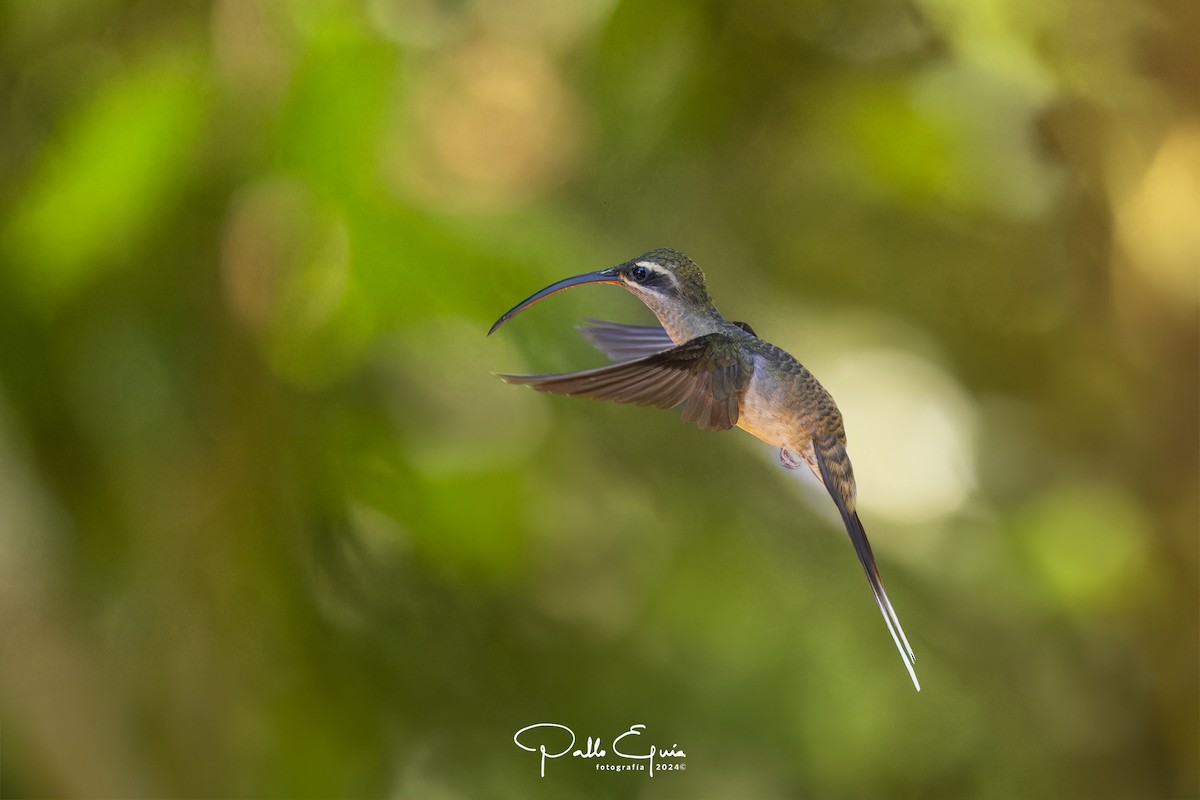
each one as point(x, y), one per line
point(270, 527)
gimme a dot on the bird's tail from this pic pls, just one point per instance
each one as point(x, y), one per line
point(839, 481)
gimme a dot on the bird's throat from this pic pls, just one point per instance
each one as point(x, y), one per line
point(684, 323)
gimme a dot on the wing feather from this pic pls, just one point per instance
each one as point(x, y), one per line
point(626, 342)
point(708, 374)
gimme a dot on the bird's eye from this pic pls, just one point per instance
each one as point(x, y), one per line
point(639, 274)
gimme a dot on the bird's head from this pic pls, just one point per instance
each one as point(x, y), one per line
point(663, 279)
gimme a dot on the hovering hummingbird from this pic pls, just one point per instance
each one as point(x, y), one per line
point(724, 375)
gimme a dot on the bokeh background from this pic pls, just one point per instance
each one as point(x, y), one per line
point(270, 527)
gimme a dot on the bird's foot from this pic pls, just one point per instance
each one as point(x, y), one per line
point(788, 459)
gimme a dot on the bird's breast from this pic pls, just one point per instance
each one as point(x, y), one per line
point(768, 408)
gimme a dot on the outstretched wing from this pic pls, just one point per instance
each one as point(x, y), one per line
point(708, 373)
point(621, 342)
point(625, 342)
point(835, 474)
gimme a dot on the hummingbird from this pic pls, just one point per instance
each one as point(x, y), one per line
point(723, 375)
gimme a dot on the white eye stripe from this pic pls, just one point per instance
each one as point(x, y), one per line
point(658, 270)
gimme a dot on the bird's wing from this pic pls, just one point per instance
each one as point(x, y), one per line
point(709, 373)
point(834, 465)
point(622, 342)
point(625, 342)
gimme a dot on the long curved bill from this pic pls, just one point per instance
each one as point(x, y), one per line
point(602, 276)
